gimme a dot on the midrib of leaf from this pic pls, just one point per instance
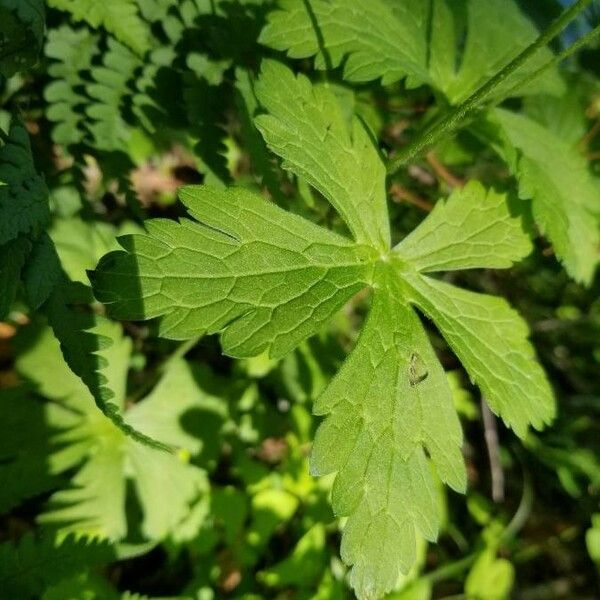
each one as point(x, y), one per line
point(271, 271)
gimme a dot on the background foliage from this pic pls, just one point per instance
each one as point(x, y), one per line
point(106, 109)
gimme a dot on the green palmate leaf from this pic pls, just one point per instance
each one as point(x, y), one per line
point(373, 39)
point(557, 180)
point(79, 436)
point(490, 338)
point(471, 229)
point(437, 42)
point(266, 279)
point(21, 34)
point(119, 17)
point(496, 31)
point(388, 404)
point(343, 165)
point(28, 567)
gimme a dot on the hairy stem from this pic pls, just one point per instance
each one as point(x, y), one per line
point(456, 116)
point(580, 43)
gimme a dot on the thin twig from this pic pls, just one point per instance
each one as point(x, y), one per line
point(451, 570)
point(490, 427)
point(584, 142)
point(400, 194)
point(443, 173)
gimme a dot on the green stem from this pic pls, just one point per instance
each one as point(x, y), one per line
point(451, 570)
point(456, 116)
point(523, 511)
point(580, 43)
point(519, 519)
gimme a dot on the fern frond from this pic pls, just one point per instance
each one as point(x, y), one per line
point(151, 100)
point(72, 51)
point(87, 101)
point(24, 448)
point(24, 211)
point(119, 17)
point(23, 198)
point(28, 567)
point(32, 258)
point(82, 346)
point(108, 93)
point(205, 114)
point(155, 11)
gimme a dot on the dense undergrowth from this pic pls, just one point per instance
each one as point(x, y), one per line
point(299, 299)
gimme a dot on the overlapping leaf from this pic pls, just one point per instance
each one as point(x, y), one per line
point(374, 39)
point(119, 17)
point(453, 46)
point(105, 459)
point(565, 200)
point(28, 567)
point(495, 31)
point(266, 279)
point(24, 211)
